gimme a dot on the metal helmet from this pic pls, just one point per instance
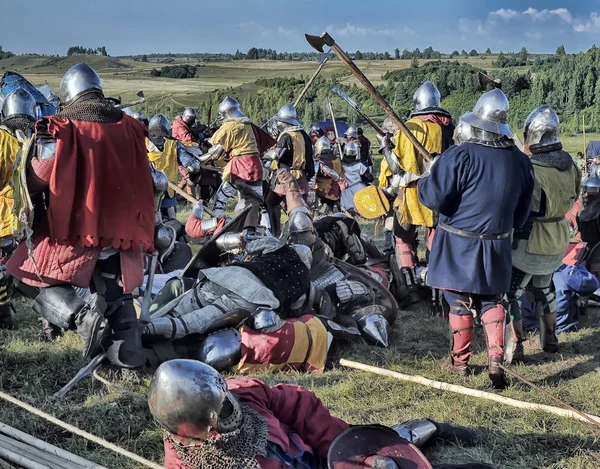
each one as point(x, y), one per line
point(229, 109)
point(19, 103)
point(165, 238)
point(352, 132)
point(426, 96)
point(266, 320)
point(592, 184)
point(316, 131)
point(287, 114)
point(351, 150)
point(490, 114)
point(221, 350)
point(79, 80)
point(186, 397)
point(159, 125)
point(323, 145)
point(541, 130)
point(189, 116)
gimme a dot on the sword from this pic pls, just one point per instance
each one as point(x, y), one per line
point(354, 106)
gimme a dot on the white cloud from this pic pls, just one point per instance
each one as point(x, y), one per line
point(504, 14)
point(287, 32)
point(590, 26)
point(545, 14)
point(351, 30)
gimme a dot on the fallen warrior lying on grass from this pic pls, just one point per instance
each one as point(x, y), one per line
point(286, 298)
point(211, 422)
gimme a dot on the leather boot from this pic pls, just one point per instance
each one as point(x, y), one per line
point(493, 325)
point(518, 338)
point(124, 345)
point(549, 340)
point(87, 324)
point(461, 327)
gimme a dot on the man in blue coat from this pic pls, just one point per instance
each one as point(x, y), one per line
point(481, 189)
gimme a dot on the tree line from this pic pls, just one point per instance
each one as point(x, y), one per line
point(4, 54)
point(79, 50)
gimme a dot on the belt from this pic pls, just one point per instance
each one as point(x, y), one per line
point(547, 220)
point(470, 234)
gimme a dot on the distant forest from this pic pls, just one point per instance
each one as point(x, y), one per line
point(568, 83)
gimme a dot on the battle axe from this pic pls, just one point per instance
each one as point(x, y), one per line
point(317, 42)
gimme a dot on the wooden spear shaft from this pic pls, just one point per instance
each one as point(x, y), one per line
point(471, 392)
point(310, 82)
point(189, 198)
point(381, 100)
point(79, 432)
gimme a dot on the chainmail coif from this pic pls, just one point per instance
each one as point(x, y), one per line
point(20, 122)
point(96, 109)
point(234, 450)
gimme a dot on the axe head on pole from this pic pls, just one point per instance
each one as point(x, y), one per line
point(485, 80)
point(317, 42)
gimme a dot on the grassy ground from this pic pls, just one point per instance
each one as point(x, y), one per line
point(32, 370)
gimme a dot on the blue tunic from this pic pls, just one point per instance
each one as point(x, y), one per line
point(482, 190)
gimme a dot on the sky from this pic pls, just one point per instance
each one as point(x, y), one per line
point(129, 27)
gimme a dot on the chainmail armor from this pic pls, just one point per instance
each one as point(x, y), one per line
point(19, 122)
point(95, 109)
point(234, 450)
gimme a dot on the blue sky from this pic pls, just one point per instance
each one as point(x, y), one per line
point(135, 27)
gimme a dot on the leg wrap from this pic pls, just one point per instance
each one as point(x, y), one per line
point(461, 327)
point(405, 253)
point(493, 324)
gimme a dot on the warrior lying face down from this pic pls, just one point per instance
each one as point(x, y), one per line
point(210, 422)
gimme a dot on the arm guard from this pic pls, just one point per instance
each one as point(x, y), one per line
point(330, 173)
point(185, 159)
point(213, 153)
point(392, 161)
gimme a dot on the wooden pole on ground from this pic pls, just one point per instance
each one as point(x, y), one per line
point(79, 432)
point(471, 392)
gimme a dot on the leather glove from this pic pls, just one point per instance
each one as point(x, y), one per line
point(450, 431)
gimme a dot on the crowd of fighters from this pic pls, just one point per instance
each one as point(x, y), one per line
point(89, 194)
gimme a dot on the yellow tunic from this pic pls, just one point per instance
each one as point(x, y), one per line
point(236, 137)
point(9, 147)
point(166, 161)
point(410, 210)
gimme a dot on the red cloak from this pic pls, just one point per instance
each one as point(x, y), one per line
point(101, 190)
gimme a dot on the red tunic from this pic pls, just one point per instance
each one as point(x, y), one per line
point(287, 408)
point(182, 132)
point(100, 194)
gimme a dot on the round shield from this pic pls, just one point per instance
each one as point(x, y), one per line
point(357, 446)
